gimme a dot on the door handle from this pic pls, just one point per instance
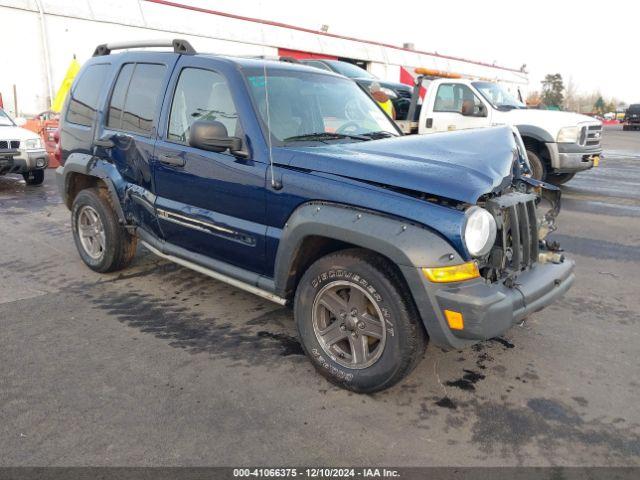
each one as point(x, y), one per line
point(174, 160)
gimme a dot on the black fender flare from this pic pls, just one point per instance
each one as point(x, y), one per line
point(92, 166)
point(408, 245)
point(402, 242)
point(537, 133)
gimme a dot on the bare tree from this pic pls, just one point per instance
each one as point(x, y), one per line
point(571, 101)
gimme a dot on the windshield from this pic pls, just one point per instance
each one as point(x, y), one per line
point(497, 95)
point(349, 70)
point(316, 107)
point(5, 120)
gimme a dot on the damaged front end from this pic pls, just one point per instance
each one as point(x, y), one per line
point(525, 212)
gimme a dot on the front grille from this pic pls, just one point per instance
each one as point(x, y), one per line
point(516, 246)
point(13, 144)
point(594, 133)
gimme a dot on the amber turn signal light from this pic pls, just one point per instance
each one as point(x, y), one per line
point(453, 273)
point(454, 319)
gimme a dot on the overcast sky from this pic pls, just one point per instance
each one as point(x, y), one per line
point(591, 42)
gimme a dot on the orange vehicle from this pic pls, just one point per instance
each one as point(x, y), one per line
point(46, 125)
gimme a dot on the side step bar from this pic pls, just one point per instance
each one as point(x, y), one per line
point(218, 276)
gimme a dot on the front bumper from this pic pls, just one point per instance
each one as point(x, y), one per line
point(488, 309)
point(571, 157)
point(25, 161)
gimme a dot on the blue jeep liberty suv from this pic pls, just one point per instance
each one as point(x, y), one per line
point(291, 183)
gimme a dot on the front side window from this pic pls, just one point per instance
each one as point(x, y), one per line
point(458, 98)
point(298, 105)
point(83, 103)
point(201, 95)
point(136, 97)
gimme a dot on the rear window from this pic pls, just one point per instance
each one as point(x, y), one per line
point(136, 97)
point(83, 103)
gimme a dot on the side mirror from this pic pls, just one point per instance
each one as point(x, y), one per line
point(212, 135)
point(470, 109)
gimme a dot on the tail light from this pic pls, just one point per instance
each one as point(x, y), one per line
point(57, 153)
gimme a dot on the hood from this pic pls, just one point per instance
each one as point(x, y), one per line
point(460, 165)
point(551, 120)
point(10, 132)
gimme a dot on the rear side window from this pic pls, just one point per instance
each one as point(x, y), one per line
point(83, 103)
point(136, 97)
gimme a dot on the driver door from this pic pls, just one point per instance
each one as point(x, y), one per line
point(457, 107)
point(211, 203)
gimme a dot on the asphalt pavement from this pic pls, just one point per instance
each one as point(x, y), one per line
point(158, 365)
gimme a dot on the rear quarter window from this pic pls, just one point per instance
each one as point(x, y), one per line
point(83, 103)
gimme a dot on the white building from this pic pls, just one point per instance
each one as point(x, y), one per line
point(40, 37)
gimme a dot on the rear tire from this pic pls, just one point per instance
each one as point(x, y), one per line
point(538, 168)
point(356, 321)
point(34, 177)
point(560, 178)
point(103, 244)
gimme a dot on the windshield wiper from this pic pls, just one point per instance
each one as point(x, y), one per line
point(506, 106)
point(324, 136)
point(379, 134)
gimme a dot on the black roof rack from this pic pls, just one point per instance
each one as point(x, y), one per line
point(179, 46)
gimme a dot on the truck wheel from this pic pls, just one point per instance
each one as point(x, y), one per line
point(34, 177)
point(356, 322)
point(538, 169)
point(560, 178)
point(104, 245)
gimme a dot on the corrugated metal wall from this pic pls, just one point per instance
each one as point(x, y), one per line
point(75, 27)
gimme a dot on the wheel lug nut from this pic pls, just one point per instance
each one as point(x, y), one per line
point(342, 327)
point(361, 325)
point(354, 312)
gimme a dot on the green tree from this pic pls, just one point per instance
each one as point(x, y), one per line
point(599, 106)
point(552, 90)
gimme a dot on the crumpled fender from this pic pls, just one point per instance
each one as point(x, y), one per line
point(92, 166)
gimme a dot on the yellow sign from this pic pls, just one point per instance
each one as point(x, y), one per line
point(72, 71)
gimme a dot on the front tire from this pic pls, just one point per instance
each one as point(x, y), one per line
point(103, 244)
point(538, 168)
point(357, 324)
point(34, 177)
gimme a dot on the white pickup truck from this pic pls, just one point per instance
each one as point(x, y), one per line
point(559, 144)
